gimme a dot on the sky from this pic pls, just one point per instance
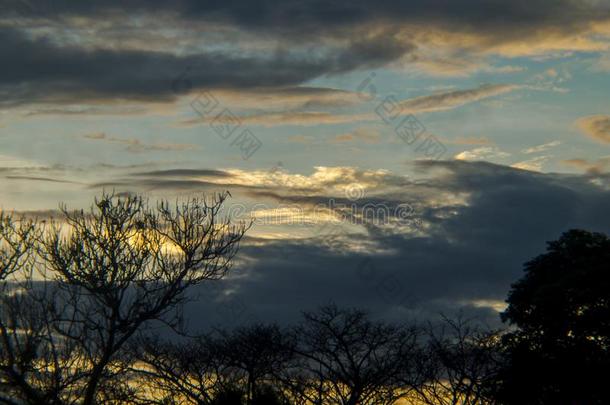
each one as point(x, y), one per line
point(405, 157)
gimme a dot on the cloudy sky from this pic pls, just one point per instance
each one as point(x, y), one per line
point(402, 156)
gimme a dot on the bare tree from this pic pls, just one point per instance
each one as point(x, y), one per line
point(335, 356)
point(246, 359)
point(186, 372)
point(21, 326)
point(459, 362)
point(348, 359)
point(17, 244)
point(255, 354)
point(109, 273)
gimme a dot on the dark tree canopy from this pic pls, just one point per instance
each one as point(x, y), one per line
point(560, 352)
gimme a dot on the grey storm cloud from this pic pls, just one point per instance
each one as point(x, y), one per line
point(302, 16)
point(184, 172)
point(467, 254)
point(460, 261)
point(364, 34)
point(42, 71)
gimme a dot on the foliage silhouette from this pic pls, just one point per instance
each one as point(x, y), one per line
point(560, 352)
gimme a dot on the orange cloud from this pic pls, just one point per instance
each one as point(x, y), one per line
point(592, 167)
point(454, 99)
point(596, 127)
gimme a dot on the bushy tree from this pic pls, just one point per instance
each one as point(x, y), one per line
point(560, 350)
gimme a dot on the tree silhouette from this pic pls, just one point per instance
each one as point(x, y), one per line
point(23, 327)
point(560, 352)
point(106, 274)
point(255, 354)
point(459, 361)
point(187, 372)
point(348, 359)
point(215, 367)
point(17, 244)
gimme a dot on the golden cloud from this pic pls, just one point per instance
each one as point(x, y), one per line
point(596, 127)
point(454, 99)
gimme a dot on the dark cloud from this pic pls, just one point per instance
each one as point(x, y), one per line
point(467, 257)
point(480, 223)
point(159, 184)
point(179, 183)
point(135, 145)
point(346, 36)
point(185, 172)
point(314, 13)
point(47, 179)
point(38, 70)
point(39, 215)
point(302, 16)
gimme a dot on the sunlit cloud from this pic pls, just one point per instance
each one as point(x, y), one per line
point(534, 165)
point(596, 127)
point(454, 99)
point(496, 305)
point(482, 153)
point(541, 148)
point(595, 166)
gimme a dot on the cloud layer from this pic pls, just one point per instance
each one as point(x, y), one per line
point(477, 224)
point(460, 260)
point(73, 52)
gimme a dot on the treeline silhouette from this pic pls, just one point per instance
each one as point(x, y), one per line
point(333, 356)
point(82, 296)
